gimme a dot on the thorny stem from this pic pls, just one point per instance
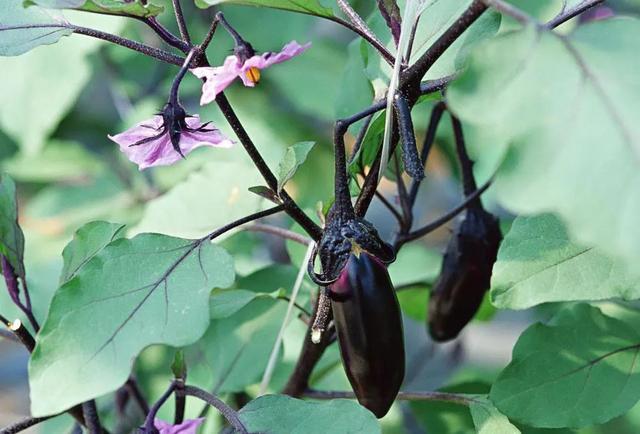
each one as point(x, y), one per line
point(430, 227)
point(127, 43)
point(182, 25)
point(149, 426)
point(175, 86)
point(166, 35)
point(343, 206)
point(412, 76)
point(466, 164)
point(132, 386)
point(209, 36)
point(509, 10)
point(229, 413)
point(90, 414)
point(244, 220)
point(13, 287)
point(232, 32)
point(25, 424)
point(429, 139)
point(291, 208)
point(402, 195)
point(310, 354)
point(280, 232)
point(573, 12)
point(358, 22)
point(405, 396)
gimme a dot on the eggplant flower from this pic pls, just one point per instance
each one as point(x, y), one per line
point(189, 426)
point(167, 137)
point(244, 63)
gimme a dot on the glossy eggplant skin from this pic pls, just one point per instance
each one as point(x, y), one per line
point(465, 275)
point(369, 327)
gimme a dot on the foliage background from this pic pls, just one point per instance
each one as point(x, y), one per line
point(61, 101)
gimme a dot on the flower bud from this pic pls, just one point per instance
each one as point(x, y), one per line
point(369, 327)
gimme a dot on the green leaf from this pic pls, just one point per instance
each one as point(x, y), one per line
point(579, 370)
point(274, 414)
point(487, 419)
point(11, 237)
point(59, 161)
point(207, 199)
point(22, 29)
point(43, 85)
point(311, 7)
point(87, 242)
point(292, 159)
point(539, 263)
point(225, 303)
point(151, 289)
point(415, 263)
point(579, 130)
point(234, 351)
point(136, 8)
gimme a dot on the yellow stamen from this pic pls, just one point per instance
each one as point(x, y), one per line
point(253, 74)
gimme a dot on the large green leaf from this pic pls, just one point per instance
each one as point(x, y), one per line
point(136, 8)
point(570, 144)
point(539, 263)
point(11, 237)
point(579, 370)
point(234, 351)
point(17, 34)
point(311, 7)
point(43, 84)
point(135, 292)
point(487, 419)
point(274, 414)
point(87, 242)
point(207, 199)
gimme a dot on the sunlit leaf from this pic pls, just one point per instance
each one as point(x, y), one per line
point(135, 292)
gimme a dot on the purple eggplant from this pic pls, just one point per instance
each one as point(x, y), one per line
point(369, 327)
point(465, 275)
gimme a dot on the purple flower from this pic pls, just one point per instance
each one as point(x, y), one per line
point(246, 67)
point(189, 426)
point(167, 137)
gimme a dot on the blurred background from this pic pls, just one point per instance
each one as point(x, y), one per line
point(59, 104)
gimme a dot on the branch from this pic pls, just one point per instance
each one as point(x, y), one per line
point(25, 424)
point(507, 9)
point(166, 35)
point(388, 57)
point(243, 220)
point(403, 396)
point(359, 24)
point(445, 218)
point(149, 423)
point(132, 386)
point(290, 206)
point(466, 164)
point(565, 16)
point(182, 25)
point(414, 74)
point(280, 232)
point(229, 413)
point(90, 414)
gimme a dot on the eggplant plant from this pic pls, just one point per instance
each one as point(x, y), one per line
point(214, 280)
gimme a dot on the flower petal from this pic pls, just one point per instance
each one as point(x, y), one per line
point(189, 426)
point(265, 60)
point(160, 151)
point(218, 78)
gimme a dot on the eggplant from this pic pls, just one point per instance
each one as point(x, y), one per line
point(369, 327)
point(465, 275)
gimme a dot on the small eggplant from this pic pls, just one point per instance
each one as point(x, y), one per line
point(369, 327)
point(465, 275)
